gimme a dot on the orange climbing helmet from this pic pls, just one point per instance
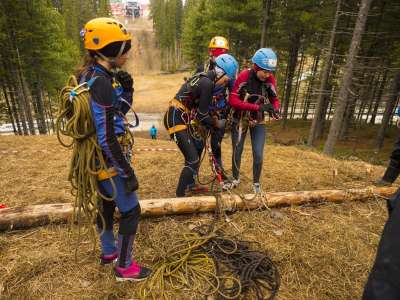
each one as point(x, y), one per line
point(101, 32)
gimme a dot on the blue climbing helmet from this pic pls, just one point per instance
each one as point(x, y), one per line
point(266, 59)
point(229, 64)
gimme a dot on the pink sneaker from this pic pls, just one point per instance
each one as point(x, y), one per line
point(108, 259)
point(134, 272)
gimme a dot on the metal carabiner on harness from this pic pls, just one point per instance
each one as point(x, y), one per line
point(76, 91)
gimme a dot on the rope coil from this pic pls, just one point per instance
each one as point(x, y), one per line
point(75, 122)
point(209, 263)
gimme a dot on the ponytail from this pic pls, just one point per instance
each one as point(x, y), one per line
point(87, 61)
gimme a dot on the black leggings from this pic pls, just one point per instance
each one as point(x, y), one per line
point(191, 154)
point(216, 139)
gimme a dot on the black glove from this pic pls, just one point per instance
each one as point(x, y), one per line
point(267, 107)
point(131, 184)
point(126, 80)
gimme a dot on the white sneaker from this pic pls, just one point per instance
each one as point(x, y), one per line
point(228, 185)
point(235, 182)
point(257, 188)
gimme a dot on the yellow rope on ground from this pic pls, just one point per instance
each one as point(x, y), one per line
point(206, 262)
point(188, 267)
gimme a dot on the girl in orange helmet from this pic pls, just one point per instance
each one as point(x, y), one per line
point(108, 43)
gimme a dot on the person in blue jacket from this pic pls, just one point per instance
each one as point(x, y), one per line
point(108, 43)
point(153, 132)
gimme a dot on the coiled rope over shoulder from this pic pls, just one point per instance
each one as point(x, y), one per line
point(75, 129)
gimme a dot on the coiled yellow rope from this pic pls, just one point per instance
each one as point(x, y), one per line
point(188, 267)
point(75, 129)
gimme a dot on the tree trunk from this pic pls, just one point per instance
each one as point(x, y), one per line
point(47, 113)
point(24, 93)
point(319, 113)
point(307, 100)
point(294, 51)
point(38, 215)
point(15, 110)
point(21, 103)
point(348, 118)
point(298, 83)
point(372, 97)
point(366, 91)
point(10, 112)
point(284, 86)
point(265, 22)
point(379, 97)
point(50, 109)
point(328, 101)
point(15, 94)
point(390, 106)
point(337, 120)
point(40, 116)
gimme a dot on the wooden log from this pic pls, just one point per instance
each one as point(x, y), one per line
point(37, 215)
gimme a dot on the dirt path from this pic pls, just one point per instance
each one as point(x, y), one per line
point(153, 89)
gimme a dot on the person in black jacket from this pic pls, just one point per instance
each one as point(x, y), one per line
point(190, 105)
point(219, 107)
point(384, 280)
point(393, 169)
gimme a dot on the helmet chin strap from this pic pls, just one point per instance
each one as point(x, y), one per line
point(112, 60)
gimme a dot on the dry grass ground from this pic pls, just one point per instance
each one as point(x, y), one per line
point(323, 252)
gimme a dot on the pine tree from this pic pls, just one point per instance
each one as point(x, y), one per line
point(38, 53)
point(338, 117)
point(319, 114)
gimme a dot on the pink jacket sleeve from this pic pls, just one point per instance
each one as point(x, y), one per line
point(234, 99)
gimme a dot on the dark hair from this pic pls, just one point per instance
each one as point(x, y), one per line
point(87, 61)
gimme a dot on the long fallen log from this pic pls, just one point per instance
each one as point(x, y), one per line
point(37, 215)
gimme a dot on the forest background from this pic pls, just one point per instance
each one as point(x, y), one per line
point(338, 60)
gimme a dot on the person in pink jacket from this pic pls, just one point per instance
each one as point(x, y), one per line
point(253, 95)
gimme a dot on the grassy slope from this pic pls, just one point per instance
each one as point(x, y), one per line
point(325, 252)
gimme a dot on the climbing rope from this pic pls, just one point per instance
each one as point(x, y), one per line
point(75, 129)
point(215, 181)
point(255, 270)
point(207, 262)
